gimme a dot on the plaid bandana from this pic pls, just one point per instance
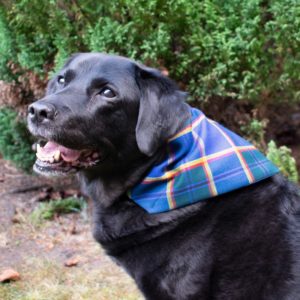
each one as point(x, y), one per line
point(202, 161)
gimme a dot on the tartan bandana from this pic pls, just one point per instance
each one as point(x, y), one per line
point(202, 161)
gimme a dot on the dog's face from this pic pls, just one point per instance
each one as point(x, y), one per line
point(101, 111)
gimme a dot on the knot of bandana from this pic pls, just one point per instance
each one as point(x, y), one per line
point(203, 160)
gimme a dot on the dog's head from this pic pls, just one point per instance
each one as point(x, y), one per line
point(102, 110)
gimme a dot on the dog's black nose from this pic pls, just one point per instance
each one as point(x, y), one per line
point(39, 112)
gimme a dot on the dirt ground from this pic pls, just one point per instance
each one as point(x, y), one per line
point(24, 246)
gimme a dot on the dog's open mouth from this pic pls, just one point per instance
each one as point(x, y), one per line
point(55, 159)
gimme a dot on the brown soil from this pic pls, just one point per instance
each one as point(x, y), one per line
point(18, 238)
point(64, 239)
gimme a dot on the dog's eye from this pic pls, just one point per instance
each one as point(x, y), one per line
point(61, 80)
point(108, 93)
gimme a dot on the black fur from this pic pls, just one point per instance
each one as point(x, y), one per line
point(241, 245)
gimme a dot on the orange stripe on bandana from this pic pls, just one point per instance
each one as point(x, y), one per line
point(206, 167)
point(235, 148)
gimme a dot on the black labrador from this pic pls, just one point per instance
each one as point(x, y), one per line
point(108, 118)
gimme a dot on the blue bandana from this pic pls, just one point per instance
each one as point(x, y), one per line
point(202, 161)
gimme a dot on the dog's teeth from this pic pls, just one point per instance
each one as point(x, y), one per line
point(51, 160)
point(56, 155)
point(38, 148)
point(40, 156)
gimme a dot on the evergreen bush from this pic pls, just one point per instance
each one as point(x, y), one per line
point(6, 48)
point(244, 49)
point(15, 140)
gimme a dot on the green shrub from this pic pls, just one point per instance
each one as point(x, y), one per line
point(281, 156)
point(6, 48)
point(255, 133)
point(15, 140)
point(243, 49)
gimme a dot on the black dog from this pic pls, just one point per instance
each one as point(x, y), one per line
point(108, 118)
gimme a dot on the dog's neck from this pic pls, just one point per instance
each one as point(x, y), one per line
point(107, 188)
point(107, 185)
point(115, 214)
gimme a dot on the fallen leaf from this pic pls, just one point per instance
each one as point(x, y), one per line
point(8, 275)
point(72, 262)
point(18, 216)
point(15, 219)
point(73, 229)
point(49, 246)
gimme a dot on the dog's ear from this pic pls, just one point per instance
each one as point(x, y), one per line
point(161, 111)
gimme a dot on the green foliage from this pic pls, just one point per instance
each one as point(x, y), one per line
point(15, 140)
point(47, 210)
point(281, 156)
point(244, 49)
point(6, 48)
point(255, 132)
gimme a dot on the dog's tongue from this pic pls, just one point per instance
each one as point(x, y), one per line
point(67, 154)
